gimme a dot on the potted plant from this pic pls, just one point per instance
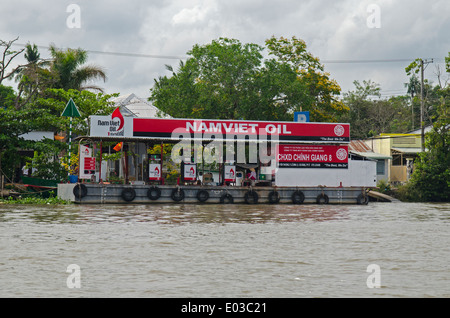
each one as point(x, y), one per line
point(73, 168)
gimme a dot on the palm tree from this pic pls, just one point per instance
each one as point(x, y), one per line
point(33, 77)
point(69, 72)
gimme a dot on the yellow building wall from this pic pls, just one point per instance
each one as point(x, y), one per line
point(385, 142)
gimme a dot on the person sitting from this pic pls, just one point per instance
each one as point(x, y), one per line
point(252, 176)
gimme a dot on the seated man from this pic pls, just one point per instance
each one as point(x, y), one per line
point(252, 176)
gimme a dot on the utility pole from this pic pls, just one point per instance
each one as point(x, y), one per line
point(422, 127)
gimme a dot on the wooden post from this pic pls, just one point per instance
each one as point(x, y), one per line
point(126, 165)
point(162, 157)
point(100, 163)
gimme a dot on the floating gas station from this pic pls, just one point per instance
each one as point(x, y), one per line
point(257, 162)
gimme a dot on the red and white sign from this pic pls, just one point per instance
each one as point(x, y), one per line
point(230, 173)
point(154, 172)
point(115, 125)
point(312, 156)
point(176, 129)
point(87, 162)
point(190, 172)
point(221, 129)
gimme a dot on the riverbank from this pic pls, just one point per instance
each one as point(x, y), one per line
point(33, 200)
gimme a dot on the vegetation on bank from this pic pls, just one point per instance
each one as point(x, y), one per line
point(30, 198)
point(225, 79)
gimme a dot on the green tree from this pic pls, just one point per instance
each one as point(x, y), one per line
point(88, 103)
point(33, 78)
point(359, 102)
point(7, 96)
point(14, 123)
point(370, 115)
point(45, 114)
point(431, 177)
point(69, 72)
point(230, 80)
point(321, 94)
point(430, 180)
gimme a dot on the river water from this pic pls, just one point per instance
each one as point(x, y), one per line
point(268, 251)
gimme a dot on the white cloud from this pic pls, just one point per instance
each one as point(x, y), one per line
point(197, 14)
point(332, 30)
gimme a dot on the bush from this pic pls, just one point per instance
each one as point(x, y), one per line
point(384, 187)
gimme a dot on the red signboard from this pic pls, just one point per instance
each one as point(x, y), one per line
point(225, 129)
point(89, 163)
point(312, 156)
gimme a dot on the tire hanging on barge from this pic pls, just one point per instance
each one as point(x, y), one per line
point(154, 193)
point(80, 190)
point(274, 197)
point(202, 195)
point(226, 198)
point(322, 199)
point(251, 196)
point(362, 199)
point(177, 194)
point(298, 197)
point(128, 194)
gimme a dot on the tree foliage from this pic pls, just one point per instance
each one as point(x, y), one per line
point(370, 115)
point(431, 177)
point(430, 180)
point(230, 80)
point(44, 88)
point(70, 73)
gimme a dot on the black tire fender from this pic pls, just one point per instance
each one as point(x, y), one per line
point(251, 196)
point(298, 197)
point(79, 190)
point(177, 194)
point(274, 197)
point(154, 193)
point(128, 194)
point(362, 199)
point(226, 198)
point(322, 199)
point(202, 195)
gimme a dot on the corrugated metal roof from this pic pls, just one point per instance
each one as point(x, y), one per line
point(372, 155)
point(134, 106)
point(408, 151)
point(359, 147)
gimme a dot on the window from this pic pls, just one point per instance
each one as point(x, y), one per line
point(380, 166)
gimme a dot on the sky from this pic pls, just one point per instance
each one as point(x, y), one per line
point(133, 40)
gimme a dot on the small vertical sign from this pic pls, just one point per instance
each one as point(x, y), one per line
point(301, 117)
point(230, 174)
point(190, 172)
point(87, 162)
point(154, 172)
